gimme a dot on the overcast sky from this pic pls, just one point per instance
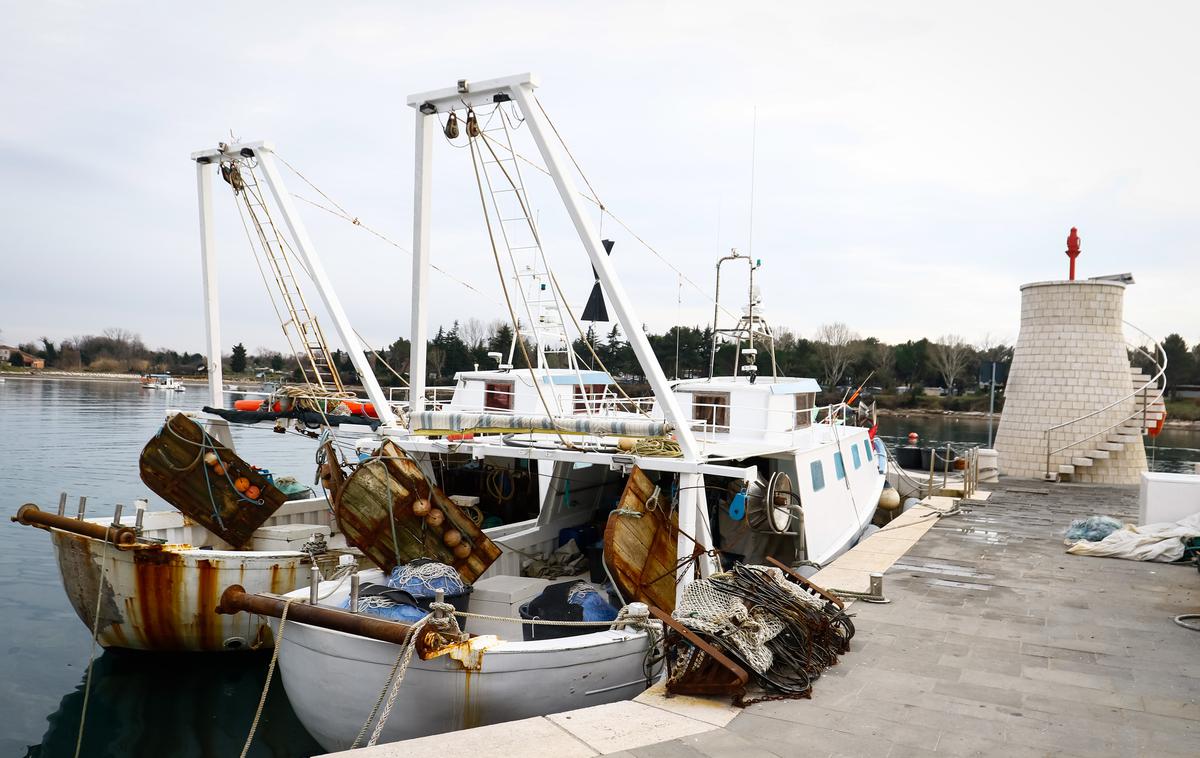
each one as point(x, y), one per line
point(916, 162)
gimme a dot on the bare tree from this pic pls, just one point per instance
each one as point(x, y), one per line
point(835, 350)
point(472, 332)
point(950, 355)
point(883, 361)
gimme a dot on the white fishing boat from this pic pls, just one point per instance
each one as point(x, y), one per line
point(164, 382)
point(742, 466)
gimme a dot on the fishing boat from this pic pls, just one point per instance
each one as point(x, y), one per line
point(164, 382)
point(548, 444)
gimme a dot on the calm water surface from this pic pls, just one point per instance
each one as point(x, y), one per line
point(84, 437)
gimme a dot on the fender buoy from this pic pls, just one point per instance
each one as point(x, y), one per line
point(247, 405)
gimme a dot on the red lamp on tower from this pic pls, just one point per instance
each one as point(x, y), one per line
point(1073, 249)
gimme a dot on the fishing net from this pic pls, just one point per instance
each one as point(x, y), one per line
point(783, 634)
point(422, 579)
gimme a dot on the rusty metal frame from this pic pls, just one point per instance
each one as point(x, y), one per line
point(808, 586)
point(739, 677)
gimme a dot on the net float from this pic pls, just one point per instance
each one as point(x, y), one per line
point(253, 492)
point(211, 459)
point(462, 550)
point(435, 517)
point(452, 538)
point(241, 484)
point(420, 508)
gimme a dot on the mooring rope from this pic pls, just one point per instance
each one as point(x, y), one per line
point(87, 682)
point(262, 700)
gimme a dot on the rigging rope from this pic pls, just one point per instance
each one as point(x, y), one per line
point(504, 288)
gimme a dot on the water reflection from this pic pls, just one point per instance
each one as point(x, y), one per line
point(159, 704)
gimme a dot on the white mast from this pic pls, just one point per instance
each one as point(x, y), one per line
point(308, 256)
point(208, 270)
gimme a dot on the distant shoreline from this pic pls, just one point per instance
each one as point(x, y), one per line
point(892, 412)
point(87, 376)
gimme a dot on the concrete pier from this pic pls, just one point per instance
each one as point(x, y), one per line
point(996, 642)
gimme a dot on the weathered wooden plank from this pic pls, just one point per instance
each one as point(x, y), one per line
point(640, 551)
point(172, 465)
point(375, 509)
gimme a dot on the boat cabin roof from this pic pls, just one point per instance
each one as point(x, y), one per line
point(784, 385)
point(556, 376)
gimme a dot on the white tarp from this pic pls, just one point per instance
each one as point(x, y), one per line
point(1152, 542)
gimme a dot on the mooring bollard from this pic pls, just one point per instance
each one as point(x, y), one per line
point(140, 505)
point(62, 504)
point(82, 506)
point(354, 582)
point(314, 580)
point(116, 522)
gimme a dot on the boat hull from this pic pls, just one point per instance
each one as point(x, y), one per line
point(165, 599)
point(333, 679)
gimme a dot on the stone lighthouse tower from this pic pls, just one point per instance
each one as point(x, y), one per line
point(1074, 408)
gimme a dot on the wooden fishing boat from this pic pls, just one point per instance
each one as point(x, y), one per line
point(157, 586)
point(160, 591)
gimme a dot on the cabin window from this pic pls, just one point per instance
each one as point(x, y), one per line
point(712, 410)
point(867, 448)
point(839, 466)
point(498, 396)
point(857, 458)
point(818, 476)
point(588, 396)
point(804, 406)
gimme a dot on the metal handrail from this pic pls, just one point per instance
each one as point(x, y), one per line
point(1154, 380)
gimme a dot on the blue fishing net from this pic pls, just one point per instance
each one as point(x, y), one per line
point(595, 606)
point(384, 608)
point(422, 579)
point(1092, 528)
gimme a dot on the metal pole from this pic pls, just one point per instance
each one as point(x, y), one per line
point(611, 285)
point(314, 583)
point(355, 581)
point(62, 504)
point(422, 191)
point(308, 254)
point(82, 506)
point(991, 403)
point(208, 271)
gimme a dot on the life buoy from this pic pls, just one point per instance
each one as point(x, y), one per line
point(1158, 426)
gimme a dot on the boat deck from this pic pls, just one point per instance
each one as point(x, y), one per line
point(996, 642)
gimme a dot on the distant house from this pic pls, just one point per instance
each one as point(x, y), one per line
point(1188, 391)
point(6, 353)
point(21, 358)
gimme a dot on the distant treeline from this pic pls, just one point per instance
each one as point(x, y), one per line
point(835, 356)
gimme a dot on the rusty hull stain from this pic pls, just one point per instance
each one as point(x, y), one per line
point(158, 577)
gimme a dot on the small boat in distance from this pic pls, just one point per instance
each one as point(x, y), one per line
point(164, 382)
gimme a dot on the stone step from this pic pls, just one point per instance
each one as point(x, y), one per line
point(1066, 469)
point(1081, 461)
point(1098, 455)
point(1112, 447)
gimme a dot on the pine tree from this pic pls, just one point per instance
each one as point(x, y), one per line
point(237, 360)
